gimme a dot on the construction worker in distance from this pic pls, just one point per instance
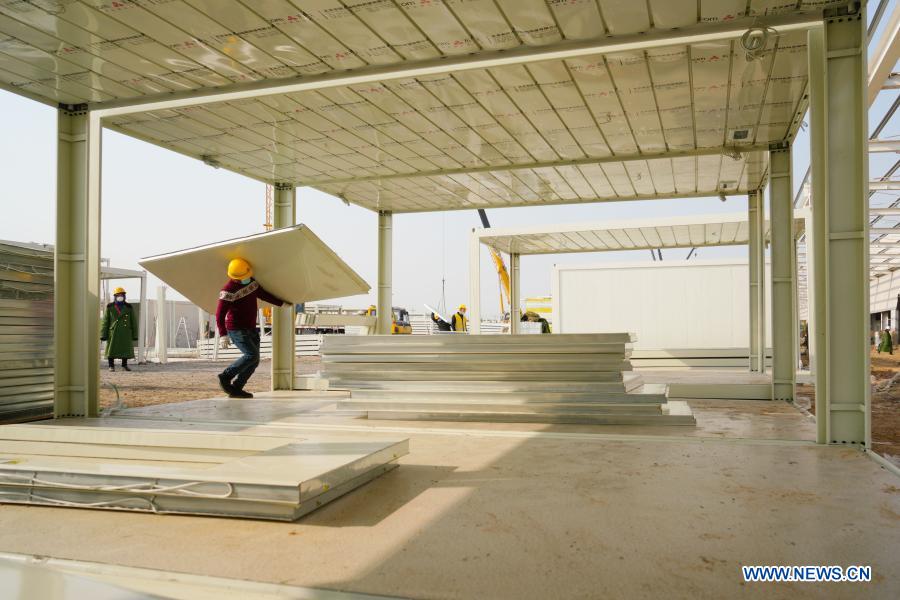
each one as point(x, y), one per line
point(119, 330)
point(236, 319)
point(458, 321)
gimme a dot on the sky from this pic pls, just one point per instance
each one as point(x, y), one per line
point(156, 201)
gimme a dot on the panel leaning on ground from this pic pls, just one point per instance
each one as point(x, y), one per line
point(276, 477)
point(580, 379)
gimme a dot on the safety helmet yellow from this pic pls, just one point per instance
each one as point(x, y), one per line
point(462, 307)
point(239, 269)
point(118, 290)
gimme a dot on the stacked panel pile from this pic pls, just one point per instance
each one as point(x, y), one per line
point(26, 332)
point(580, 378)
point(261, 476)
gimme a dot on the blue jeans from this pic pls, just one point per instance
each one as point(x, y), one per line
point(247, 341)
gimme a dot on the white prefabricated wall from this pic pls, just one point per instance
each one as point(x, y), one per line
point(669, 305)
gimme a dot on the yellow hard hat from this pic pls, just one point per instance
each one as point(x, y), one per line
point(118, 290)
point(239, 269)
point(462, 307)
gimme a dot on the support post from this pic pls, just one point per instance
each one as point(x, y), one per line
point(283, 329)
point(162, 326)
point(474, 283)
point(784, 350)
point(77, 264)
point(754, 259)
point(839, 163)
point(514, 293)
point(385, 309)
point(202, 318)
point(142, 322)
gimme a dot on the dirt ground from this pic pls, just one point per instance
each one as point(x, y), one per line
point(885, 403)
point(178, 381)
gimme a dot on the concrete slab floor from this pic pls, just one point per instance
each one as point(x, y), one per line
point(547, 516)
point(745, 419)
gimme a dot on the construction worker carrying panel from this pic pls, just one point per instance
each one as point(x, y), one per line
point(236, 319)
point(119, 330)
point(458, 321)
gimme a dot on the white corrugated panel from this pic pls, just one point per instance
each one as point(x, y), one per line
point(669, 305)
point(26, 332)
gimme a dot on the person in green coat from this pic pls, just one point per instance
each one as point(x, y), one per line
point(119, 330)
point(887, 344)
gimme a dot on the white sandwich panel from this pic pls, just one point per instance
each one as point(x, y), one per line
point(291, 263)
point(669, 305)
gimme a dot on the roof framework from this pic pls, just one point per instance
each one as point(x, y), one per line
point(694, 231)
point(434, 106)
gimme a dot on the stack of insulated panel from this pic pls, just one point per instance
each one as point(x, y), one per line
point(26, 332)
point(580, 378)
point(259, 475)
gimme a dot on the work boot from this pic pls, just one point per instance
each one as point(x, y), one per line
point(126, 367)
point(237, 393)
point(225, 384)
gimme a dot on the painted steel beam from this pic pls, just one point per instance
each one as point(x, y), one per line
point(283, 331)
point(784, 324)
point(885, 55)
point(877, 185)
point(698, 34)
point(385, 311)
point(886, 212)
point(514, 293)
point(474, 283)
point(838, 111)
point(884, 145)
point(589, 160)
point(756, 252)
point(893, 82)
point(77, 264)
point(884, 230)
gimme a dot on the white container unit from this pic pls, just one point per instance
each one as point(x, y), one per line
point(670, 305)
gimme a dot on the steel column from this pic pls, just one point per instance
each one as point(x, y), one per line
point(162, 326)
point(283, 330)
point(838, 103)
point(515, 313)
point(77, 264)
point(784, 283)
point(142, 322)
point(817, 234)
point(474, 283)
point(755, 257)
point(384, 316)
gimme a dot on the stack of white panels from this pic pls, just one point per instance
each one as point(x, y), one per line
point(26, 332)
point(582, 378)
point(196, 472)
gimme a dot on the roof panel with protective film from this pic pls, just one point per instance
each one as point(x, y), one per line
point(584, 128)
point(695, 231)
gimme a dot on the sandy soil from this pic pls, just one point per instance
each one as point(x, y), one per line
point(183, 380)
point(885, 403)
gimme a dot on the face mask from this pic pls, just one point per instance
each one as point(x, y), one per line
point(246, 281)
point(120, 299)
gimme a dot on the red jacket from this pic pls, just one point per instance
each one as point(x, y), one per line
point(237, 305)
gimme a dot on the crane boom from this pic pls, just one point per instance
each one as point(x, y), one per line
point(502, 272)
